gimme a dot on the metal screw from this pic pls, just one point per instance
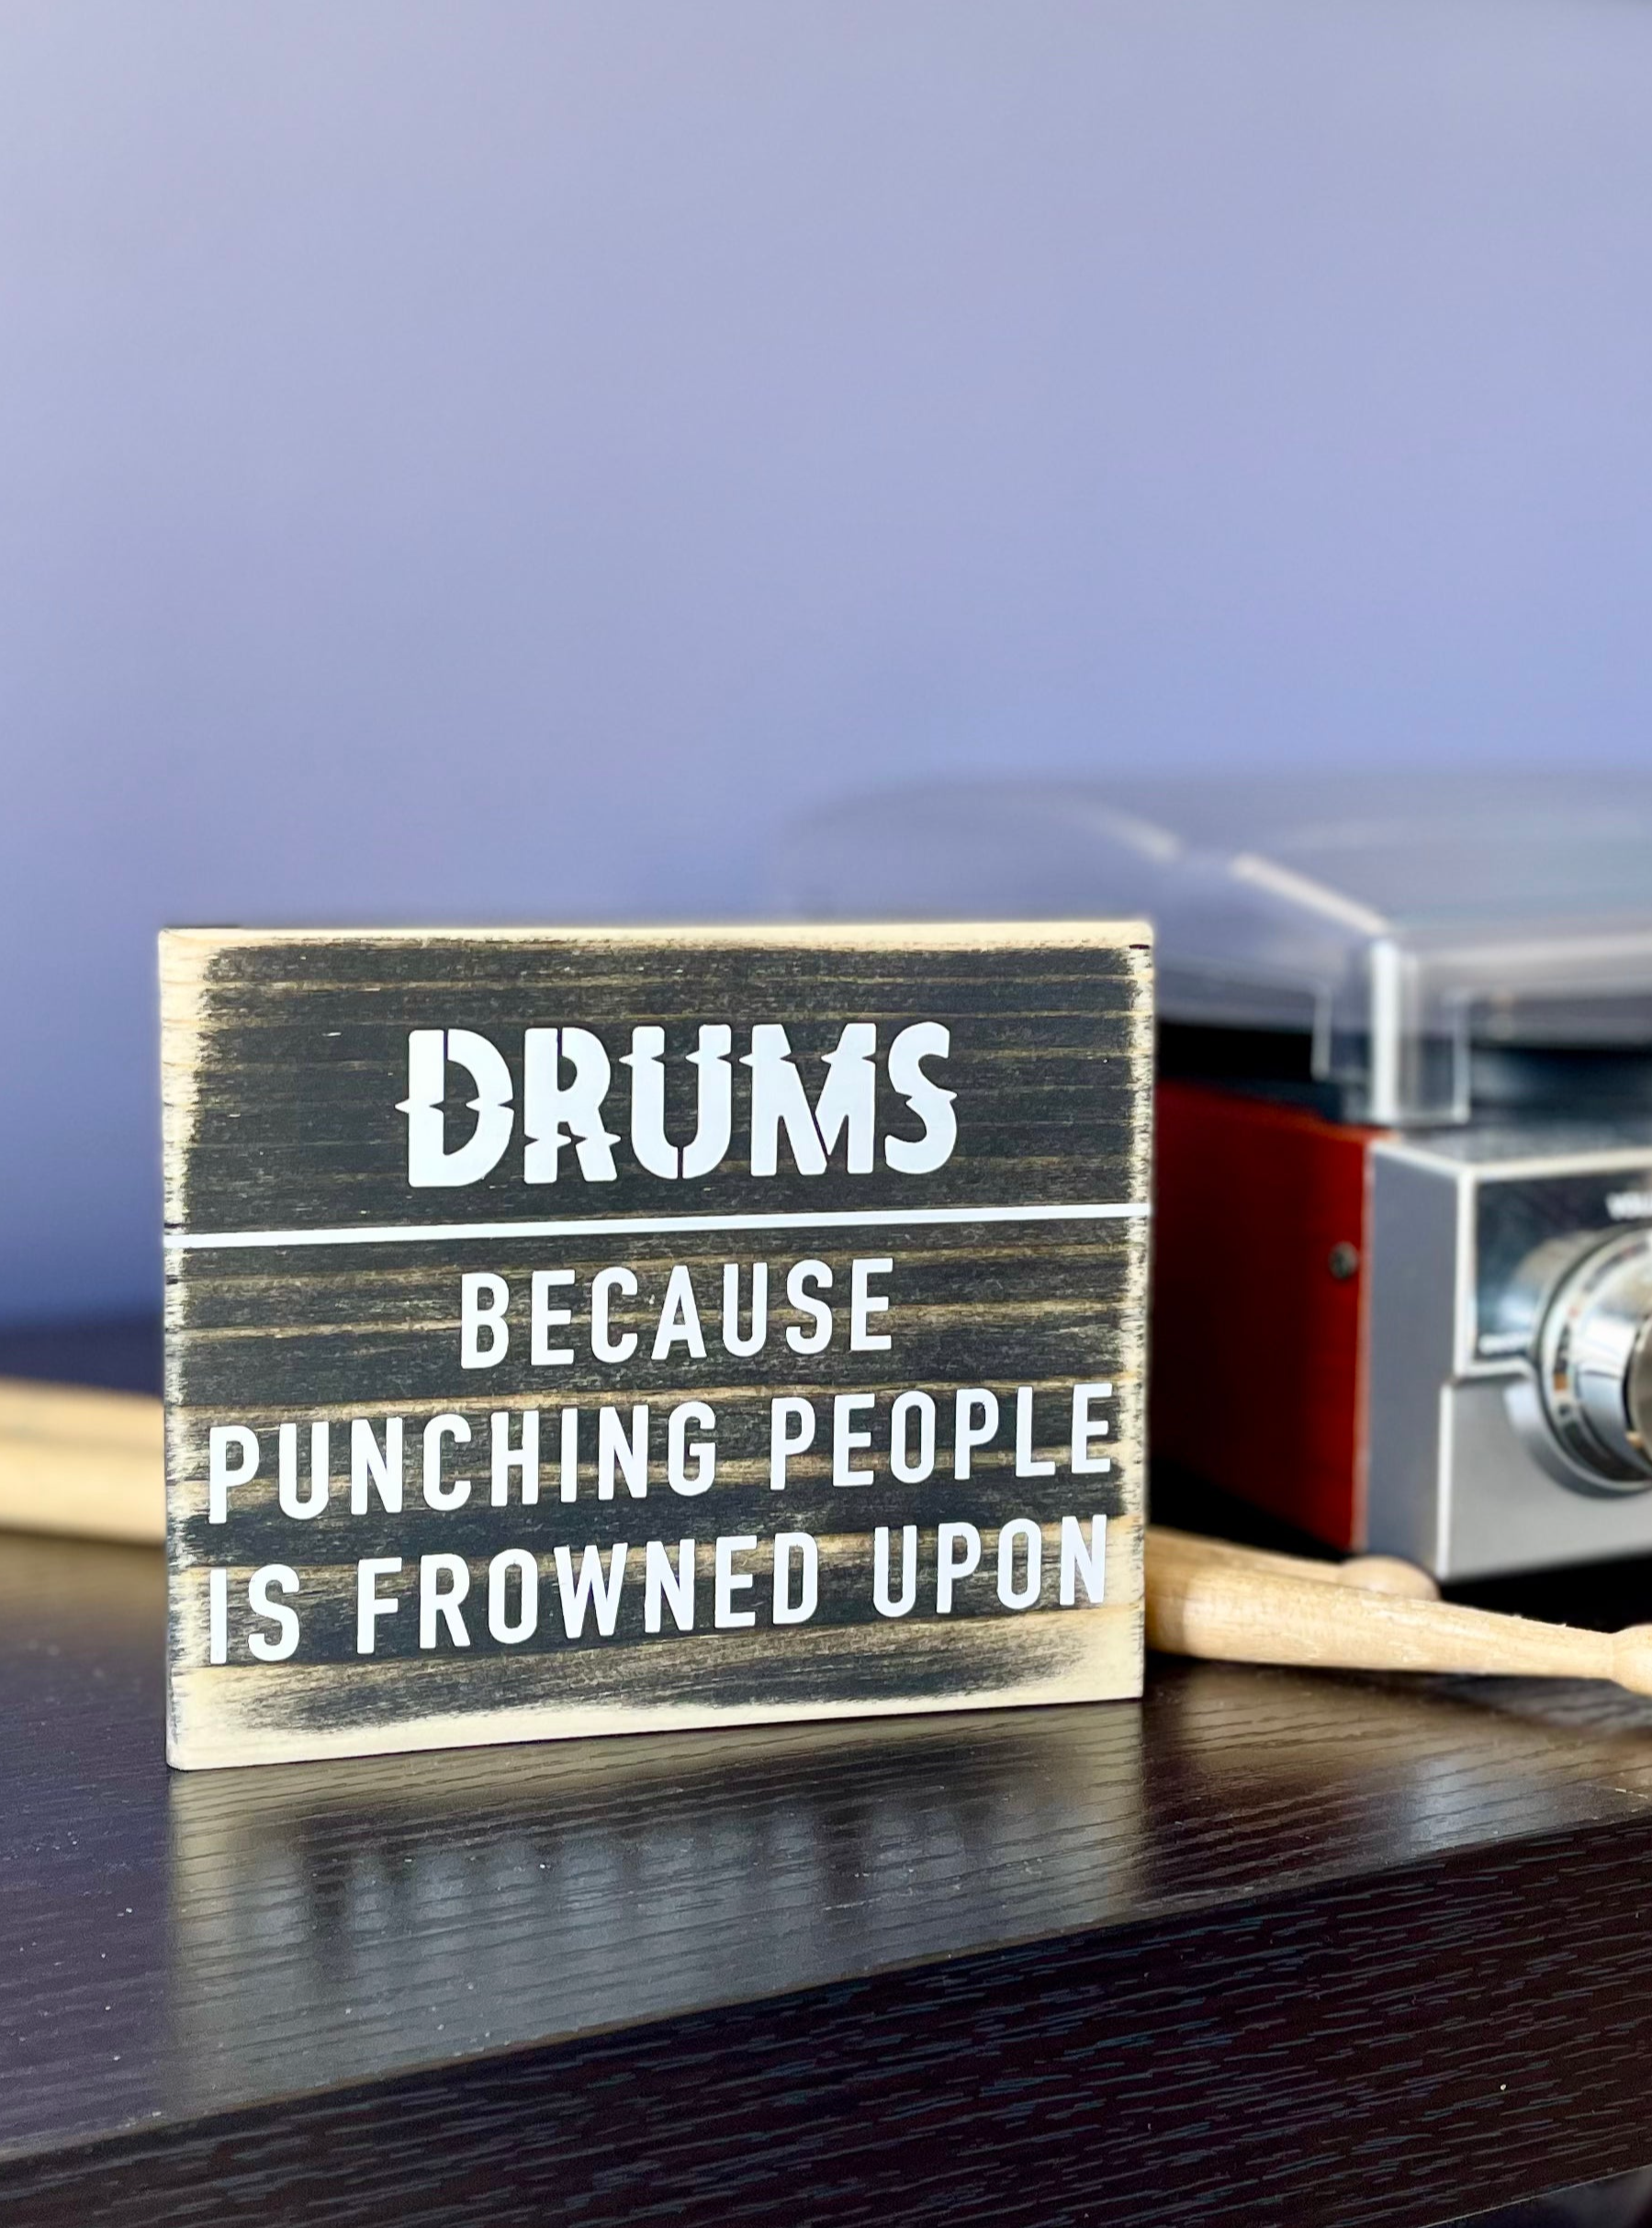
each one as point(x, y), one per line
point(1344, 1261)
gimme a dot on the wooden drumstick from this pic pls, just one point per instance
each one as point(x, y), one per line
point(1371, 1573)
point(1205, 1599)
point(81, 1461)
point(76, 1459)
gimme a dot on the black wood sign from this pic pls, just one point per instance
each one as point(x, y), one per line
point(595, 1331)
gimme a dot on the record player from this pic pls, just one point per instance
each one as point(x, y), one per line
point(1404, 1189)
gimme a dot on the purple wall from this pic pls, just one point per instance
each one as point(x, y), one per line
point(476, 459)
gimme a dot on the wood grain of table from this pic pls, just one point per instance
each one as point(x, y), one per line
point(1265, 1947)
point(1268, 1946)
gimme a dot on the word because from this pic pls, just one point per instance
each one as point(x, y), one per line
point(742, 1321)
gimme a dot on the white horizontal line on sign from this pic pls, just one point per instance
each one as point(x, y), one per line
point(643, 1226)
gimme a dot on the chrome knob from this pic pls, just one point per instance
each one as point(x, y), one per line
point(1594, 1364)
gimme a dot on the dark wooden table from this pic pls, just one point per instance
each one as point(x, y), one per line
point(1268, 1947)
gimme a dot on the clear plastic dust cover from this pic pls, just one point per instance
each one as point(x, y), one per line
point(1429, 942)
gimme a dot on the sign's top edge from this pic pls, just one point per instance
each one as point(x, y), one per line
point(848, 935)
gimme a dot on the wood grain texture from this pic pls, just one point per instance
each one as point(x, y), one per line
point(285, 1057)
point(1265, 1947)
point(1304, 2069)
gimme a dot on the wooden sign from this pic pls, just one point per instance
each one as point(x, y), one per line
point(598, 1331)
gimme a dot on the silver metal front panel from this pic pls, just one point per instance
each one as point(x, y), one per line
point(1450, 1484)
point(1502, 1512)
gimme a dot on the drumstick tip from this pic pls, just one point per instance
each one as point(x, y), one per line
point(1632, 1658)
point(1388, 1574)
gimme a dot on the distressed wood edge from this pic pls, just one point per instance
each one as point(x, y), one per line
point(516, 1727)
point(183, 962)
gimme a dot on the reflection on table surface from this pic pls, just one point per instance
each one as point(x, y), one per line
point(236, 1935)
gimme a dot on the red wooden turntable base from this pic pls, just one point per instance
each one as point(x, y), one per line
point(1258, 1330)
